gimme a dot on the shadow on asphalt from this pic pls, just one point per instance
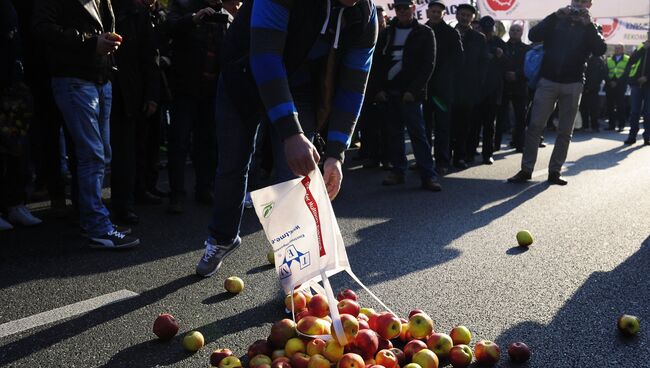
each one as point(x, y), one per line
point(218, 298)
point(602, 160)
point(516, 250)
point(583, 333)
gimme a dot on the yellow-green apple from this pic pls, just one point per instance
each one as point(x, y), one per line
point(218, 355)
point(318, 306)
point(350, 327)
point(346, 294)
point(311, 325)
point(426, 359)
point(315, 346)
point(415, 311)
point(367, 311)
point(518, 352)
point(348, 306)
point(230, 362)
point(299, 301)
point(413, 347)
point(440, 344)
point(363, 324)
point(412, 365)
point(234, 285)
point(460, 356)
point(405, 335)
point(487, 352)
point(328, 319)
point(420, 326)
point(460, 335)
point(384, 343)
point(351, 360)
point(628, 324)
point(279, 353)
point(524, 238)
point(302, 314)
point(259, 347)
point(388, 326)
point(401, 357)
point(165, 326)
point(333, 351)
point(367, 341)
point(281, 363)
point(386, 358)
point(294, 345)
point(281, 331)
point(258, 360)
point(270, 256)
point(299, 360)
point(318, 361)
point(193, 341)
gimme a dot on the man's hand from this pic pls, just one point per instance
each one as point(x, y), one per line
point(198, 16)
point(149, 108)
point(642, 80)
point(408, 97)
point(511, 76)
point(301, 155)
point(107, 43)
point(499, 52)
point(381, 97)
point(332, 176)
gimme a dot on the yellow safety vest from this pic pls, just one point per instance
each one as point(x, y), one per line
point(635, 67)
point(616, 70)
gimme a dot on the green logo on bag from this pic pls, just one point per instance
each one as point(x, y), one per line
point(268, 208)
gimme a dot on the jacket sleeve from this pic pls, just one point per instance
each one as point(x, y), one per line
point(46, 28)
point(351, 85)
point(540, 31)
point(596, 41)
point(148, 53)
point(179, 19)
point(426, 64)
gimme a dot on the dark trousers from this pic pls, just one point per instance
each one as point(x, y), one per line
point(192, 122)
point(519, 106)
point(461, 116)
point(123, 146)
point(372, 125)
point(148, 151)
point(12, 181)
point(437, 118)
point(484, 120)
point(616, 105)
point(589, 110)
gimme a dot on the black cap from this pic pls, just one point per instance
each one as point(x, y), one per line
point(487, 23)
point(467, 7)
point(437, 3)
point(404, 2)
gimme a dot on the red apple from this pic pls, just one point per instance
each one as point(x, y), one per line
point(367, 341)
point(461, 335)
point(351, 361)
point(281, 331)
point(401, 357)
point(350, 327)
point(518, 352)
point(363, 324)
point(315, 346)
point(299, 360)
point(440, 344)
point(386, 358)
point(333, 351)
point(415, 311)
point(299, 301)
point(388, 326)
point(346, 294)
point(281, 364)
point(165, 326)
point(384, 343)
point(460, 356)
point(311, 325)
point(487, 352)
point(413, 347)
point(318, 306)
point(362, 316)
point(259, 347)
point(348, 306)
point(218, 355)
point(302, 314)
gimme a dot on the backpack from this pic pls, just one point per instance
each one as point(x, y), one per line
point(533, 65)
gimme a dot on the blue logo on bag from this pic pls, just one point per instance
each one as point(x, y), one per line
point(292, 255)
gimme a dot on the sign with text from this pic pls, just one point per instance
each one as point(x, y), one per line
point(421, 8)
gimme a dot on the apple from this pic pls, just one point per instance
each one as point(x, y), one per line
point(165, 326)
point(294, 345)
point(460, 356)
point(263, 365)
point(388, 326)
point(460, 335)
point(375, 366)
point(281, 364)
point(350, 327)
point(518, 352)
point(628, 324)
point(230, 362)
point(328, 319)
point(346, 294)
point(487, 352)
point(259, 360)
point(524, 238)
point(367, 341)
point(281, 331)
point(416, 311)
point(299, 360)
point(384, 343)
point(259, 347)
point(440, 344)
point(363, 324)
point(302, 314)
point(333, 351)
point(348, 306)
point(362, 316)
point(413, 347)
point(114, 37)
point(367, 311)
point(405, 335)
point(420, 326)
point(218, 355)
point(279, 353)
point(270, 256)
point(426, 359)
point(234, 285)
point(318, 361)
point(299, 301)
point(318, 306)
point(193, 341)
point(386, 358)
point(412, 365)
point(351, 360)
point(311, 325)
point(401, 357)
point(281, 359)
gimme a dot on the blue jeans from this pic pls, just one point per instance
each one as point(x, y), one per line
point(86, 109)
point(398, 114)
point(640, 101)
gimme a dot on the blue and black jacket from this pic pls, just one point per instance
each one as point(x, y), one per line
point(276, 46)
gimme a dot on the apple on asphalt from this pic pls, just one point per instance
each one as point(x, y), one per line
point(165, 326)
point(487, 352)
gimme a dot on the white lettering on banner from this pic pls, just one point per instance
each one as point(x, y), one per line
point(421, 8)
point(627, 31)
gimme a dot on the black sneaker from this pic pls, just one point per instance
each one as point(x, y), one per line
point(213, 256)
point(113, 240)
point(520, 177)
point(120, 229)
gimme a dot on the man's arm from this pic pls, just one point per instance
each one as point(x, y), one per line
point(45, 28)
point(540, 31)
point(596, 41)
point(179, 19)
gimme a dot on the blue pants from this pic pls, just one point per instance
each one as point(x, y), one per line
point(86, 109)
point(640, 99)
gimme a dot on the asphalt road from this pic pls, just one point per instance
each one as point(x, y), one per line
point(452, 254)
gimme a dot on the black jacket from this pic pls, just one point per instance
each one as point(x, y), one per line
point(10, 61)
point(449, 56)
point(637, 57)
point(70, 29)
point(418, 59)
point(137, 73)
point(595, 74)
point(568, 42)
point(471, 75)
point(516, 53)
point(495, 70)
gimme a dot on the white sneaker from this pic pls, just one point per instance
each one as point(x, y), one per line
point(248, 201)
point(4, 225)
point(20, 215)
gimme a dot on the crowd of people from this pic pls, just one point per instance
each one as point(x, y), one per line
point(262, 91)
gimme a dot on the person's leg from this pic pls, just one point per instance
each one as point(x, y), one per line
point(610, 94)
point(442, 136)
point(395, 145)
point(428, 108)
point(546, 95)
point(620, 105)
point(123, 169)
point(645, 93)
point(636, 102)
point(569, 100)
point(182, 116)
point(488, 124)
point(502, 122)
point(519, 104)
point(411, 114)
point(371, 133)
point(474, 135)
point(461, 116)
point(204, 149)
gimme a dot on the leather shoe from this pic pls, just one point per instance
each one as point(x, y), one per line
point(147, 198)
point(127, 217)
point(556, 178)
point(629, 142)
point(520, 177)
point(393, 179)
point(431, 185)
point(488, 161)
point(442, 170)
point(542, 144)
point(646, 142)
point(460, 164)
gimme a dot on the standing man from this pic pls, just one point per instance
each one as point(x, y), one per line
point(589, 104)
point(516, 87)
point(269, 41)
point(569, 38)
point(440, 91)
point(615, 88)
point(468, 83)
point(637, 74)
point(81, 43)
point(406, 63)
